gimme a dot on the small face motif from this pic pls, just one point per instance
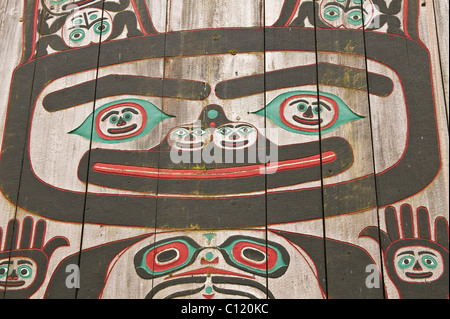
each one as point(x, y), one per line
point(87, 26)
point(306, 113)
point(17, 273)
point(189, 137)
point(121, 121)
point(235, 135)
point(418, 264)
point(347, 14)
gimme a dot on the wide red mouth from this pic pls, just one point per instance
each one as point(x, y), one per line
point(122, 130)
point(419, 275)
point(12, 283)
point(217, 173)
point(305, 121)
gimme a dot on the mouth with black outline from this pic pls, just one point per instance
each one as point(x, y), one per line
point(12, 283)
point(122, 129)
point(307, 122)
point(139, 170)
point(233, 144)
point(419, 275)
point(189, 145)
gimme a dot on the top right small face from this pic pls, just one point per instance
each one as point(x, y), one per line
point(347, 14)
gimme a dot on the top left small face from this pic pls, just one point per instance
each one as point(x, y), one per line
point(87, 26)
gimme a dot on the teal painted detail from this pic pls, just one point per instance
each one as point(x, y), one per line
point(154, 116)
point(208, 290)
point(209, 236)
point(406, 262)
point(191, 251)
point(212, 114)
point(279, 263)
point(272, 111)
point(209, 256)
point(429, 262)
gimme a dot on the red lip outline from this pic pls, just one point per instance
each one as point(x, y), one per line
point(217, 173)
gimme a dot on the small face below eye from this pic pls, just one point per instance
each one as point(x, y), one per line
point(418, 264)
point(189, 137)
point(235, 135)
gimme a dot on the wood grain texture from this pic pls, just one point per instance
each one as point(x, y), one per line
point(175, 149)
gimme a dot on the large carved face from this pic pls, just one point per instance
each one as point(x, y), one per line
point(151, 86)
point(216, 264)
point(17, 273)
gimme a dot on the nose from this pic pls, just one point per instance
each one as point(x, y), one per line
point(13, 275)
point(121, 122)
point(308, 113)
point(234, 136)
point(189, 138)
point(417, 266)
point(209, 259)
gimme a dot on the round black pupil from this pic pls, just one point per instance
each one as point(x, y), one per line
point(23, 271)
point(2, 271)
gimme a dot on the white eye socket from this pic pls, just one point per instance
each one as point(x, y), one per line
point(199, 132)
point(246, 130)
point(224, 130)
point(180, 132)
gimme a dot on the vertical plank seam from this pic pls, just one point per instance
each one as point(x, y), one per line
point(373, 158)
point(89, 153)
point(320, 152)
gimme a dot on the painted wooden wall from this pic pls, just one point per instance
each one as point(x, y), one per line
point(212, 149)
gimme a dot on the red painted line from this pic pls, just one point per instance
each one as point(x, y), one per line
point(217, 173)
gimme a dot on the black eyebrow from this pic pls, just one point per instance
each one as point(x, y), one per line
point(297, 101)
point(129, 109)
point(6, 262)
point(328, 74)
point(20, 262)
point(109, 114)
point(241, 125)
point(343, 8)
point(427, 252)
point(113, 85)
point(409, 252)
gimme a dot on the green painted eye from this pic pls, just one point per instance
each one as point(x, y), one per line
point(3, 271)
point(114, 119)
point(429, 262)
point(101, 27)
point(77, 21)
point(245, 130)
point(406, 262)
point(77, 35)
point(332, 13)
point(302, 107)
point(225, 130)
point(180, 132)
point(199, 132)
point(93, 16)
point(25, 271)
point(317, 109)
point(149, 116)
point(336, 114)
point(355, 17)
point(127, 116)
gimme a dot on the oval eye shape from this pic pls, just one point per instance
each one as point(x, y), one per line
point(256, 256)
point(429, 262)
point(332, 13)
point(306, 112)
point(406, 262)
point(121, 121)
point(77, 35)
point(355, 17)
point(3, 271)
point(25, 271)
point(165, 257)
